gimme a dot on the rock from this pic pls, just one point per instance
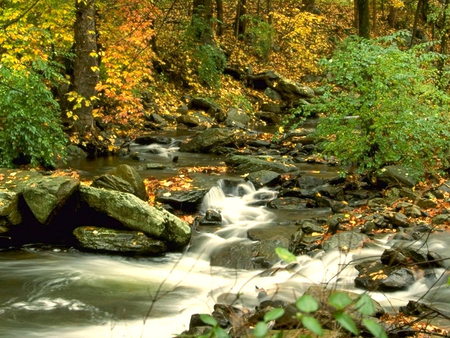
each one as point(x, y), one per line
point(263, 234)
point(374, 276)
point(309, 182)
point(399, 220)
point(426, 203)
point(136, 156)
point(264, 178)
point(187, 201)
point(9, 208)
point(441, 219)
point(151, 139)
point(412, 211)
point(211, 108)
point(236, 116)
point(395, 175)
point(75, 152)
point(183, 109)
point(135, 214)
point(208, 140)
point(130, 175)
point(189, 120)
point(349, 240)
point(212, 217)
point(291, 90)
point(260, 255)
point(272, 94)
point(111, 182)
point(268, 117)
point(271, 108)
point(111, 240)
point(155, 166)
point(256, 163)
point(46, 196)
point(290, 203)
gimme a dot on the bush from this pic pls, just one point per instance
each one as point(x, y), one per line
point(383, 106)
point(261, 34)
point(30, 127)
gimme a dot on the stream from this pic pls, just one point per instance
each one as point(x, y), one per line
point(61, 292)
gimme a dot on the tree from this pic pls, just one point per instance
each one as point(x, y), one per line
point(86, 70)
point(384, 107)
point(363, 18)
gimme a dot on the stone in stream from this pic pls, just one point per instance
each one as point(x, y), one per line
point(46, 196)
point(212, 217)
point(112, 182)
point(291, 203)
point(236, 117)
point(249, 256)
point(375, 276)
point(208, 140)
point(187, 201)
point(348, 240)
point(135, 214)
point(264, 178)
point(119, 241)
point(255, 163)
point(130, 175)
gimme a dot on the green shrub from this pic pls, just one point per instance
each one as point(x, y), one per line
point(261, 34)
point(30, 126)
point(211, 63)
point(383, 106)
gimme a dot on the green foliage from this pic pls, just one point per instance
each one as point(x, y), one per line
point(216, 331)
point(383, 107)
point(261, 34)
point(29, 123)
point(285, 255)
point(211, 63)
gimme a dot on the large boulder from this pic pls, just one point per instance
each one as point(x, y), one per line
point(119, 241)
point(264, 178)
point(112, 182)
point(208, 140)
point(135, 214)
point(130, 175)
point(46, 196)
point(9, 209)
point(394, 175)
point(256, 163)
point(291, 90)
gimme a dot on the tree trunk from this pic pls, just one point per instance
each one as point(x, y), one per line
point(85, 77)
point(392, 16)
point(374, 16)
point(308, 5)
point(363, 19)
point(219, 10)
point(201, 21)
point(444, 42)
point(240, 22)
point(356, 14)
point(416, 19)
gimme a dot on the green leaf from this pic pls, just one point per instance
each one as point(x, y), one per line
point(307, 303)
point(220, 333)
point(285, 255)
point(260, 330)
point(312, 324)
point(346, 321)
point(207, 319)
point(340, 300)
point(365, 305)
point(374, 328)
point(273, 314)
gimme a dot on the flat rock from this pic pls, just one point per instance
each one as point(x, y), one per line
point(264, 178)
point(256, 163)
point(187, 201)
point(348, 240)
point(120, 241)
point(208, 140)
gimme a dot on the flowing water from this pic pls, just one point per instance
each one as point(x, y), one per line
point(53, 292)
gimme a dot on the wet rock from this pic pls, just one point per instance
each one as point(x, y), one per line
point(396, 176)
point(212, 217)
point(75, 152)
point(151, 139)
point(309, 227)
point(130, 175)
point(208, 140)
point(187, 201)
point(349, 240)
point(290, 203)
point(103, 239)
point(264, 178)
point(9, 209)
point(256, 163)
point(441, 219)
point(135, 214)
point(412, 211)
point(236, 117)
point(302, 243)
point(155, 166)
point(393, 257)
point(271, 107)
point(375, 276)
point(136, 156)
point(310, 182)
point(46, 196)
point(262, 234)
point(408, 193)
point(249, 256)
point(112, 183)
point(398, 219)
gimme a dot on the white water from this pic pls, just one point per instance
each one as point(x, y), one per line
point(73, 294)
